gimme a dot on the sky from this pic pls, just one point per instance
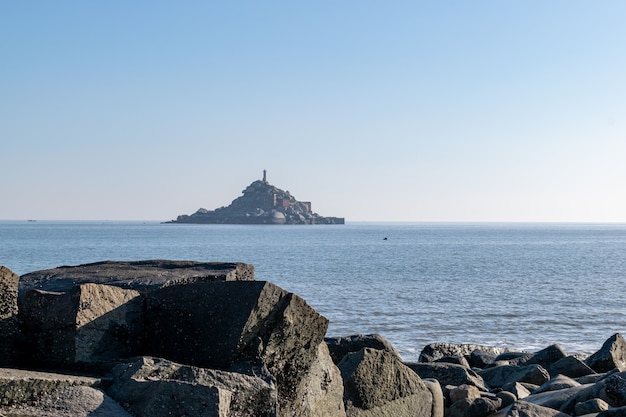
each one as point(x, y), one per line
point(455, 111)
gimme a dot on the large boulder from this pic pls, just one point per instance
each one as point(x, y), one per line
point(376, 383)
point(448, 374)
point(498, 376)
point(158, 387)
point(136, 275)
point(526, 409)
point(545, 357)
point(8, 315)
point(341, 346)
point(89, 325)
point(434, 351)
point(611, 355)
point(570, 366)
point(238, 325)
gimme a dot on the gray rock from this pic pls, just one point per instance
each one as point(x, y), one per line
point(615, 389)
point(477, 407)
point(545, 357)
point(516, 388)
point(376, 383)
point(136, 275)
point(525, 409)
point(8, 315)
point(595, 405)
point(91, 324)
point(341, 346)
point(498, 376)
point(557, 383)
point(464, 392)
point(459, 360)
point(448, 374)
point(434, 351)
point(611, 355)
point(557, 399)
point(231, 325)
point(570, 366)
point(613, 412)
point(154, 386)
point(438, 409)
point(507, 398)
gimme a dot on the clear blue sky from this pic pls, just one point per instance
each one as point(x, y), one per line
point(372, 110)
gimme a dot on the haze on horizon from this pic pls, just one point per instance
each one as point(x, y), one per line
point(373, 111)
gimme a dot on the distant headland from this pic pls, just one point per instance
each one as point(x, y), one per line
point(261, 203)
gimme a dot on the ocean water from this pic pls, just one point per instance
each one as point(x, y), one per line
point(522, 286)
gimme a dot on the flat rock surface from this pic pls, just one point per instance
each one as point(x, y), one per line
point(137, 275)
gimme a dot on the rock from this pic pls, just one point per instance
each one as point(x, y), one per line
point(558, 399)
point(321, 390)
point(613, 412)
point(341, 346)
point(557, 383)
point(615, 389)
point(570, 366)
point(507, 398)
point(519, 390)
point(438, 409)
point(594, 405)
point(434, 351)
point(478, 407)
point(448, 374)
point(459, 360)
point(464, 392)
point(91, 324)
point(525, 409)
point(8, 315)
point(611, 355)
point(498, 376)
point(72, 401)
point(376, 383)
point(158, 387)
point(481, 359)
point(545, 357)
point(136, 275)
point(236, 324)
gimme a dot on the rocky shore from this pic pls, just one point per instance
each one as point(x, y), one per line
point(172, 338)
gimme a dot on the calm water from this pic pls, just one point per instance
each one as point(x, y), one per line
point(521, 286)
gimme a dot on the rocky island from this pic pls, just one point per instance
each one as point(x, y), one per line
point(261, 203)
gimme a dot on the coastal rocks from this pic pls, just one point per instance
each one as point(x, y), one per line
point(154, 387)
point(341, 346)
point(135, 275)
point(376, 383)
point(448, 374)
point(499, 375)
point(8, 314)
point(237, 325)
point(611, 355)
point(435, 351)
point(90, 324)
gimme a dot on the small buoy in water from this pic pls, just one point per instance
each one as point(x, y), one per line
point(385, 238)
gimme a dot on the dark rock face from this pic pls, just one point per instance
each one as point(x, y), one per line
point(435, 351)
point(261, 203)
point(136, 275)
point(376, 380)
point(611, 355)
point(341, 346)
point(8, 314)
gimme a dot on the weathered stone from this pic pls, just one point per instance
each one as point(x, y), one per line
point(464, 391)
point(613, 412)
point(8, 315)
point(90, 324)
point(557, 399)
point(71, 401)
point(224, 324)
point(481, 359)
point(341, 346)
point(545, 357)
point(611, 355)
point(570, 366)
point(434, 351)
point(497, 376)
point(136, 275)
point(438, 409)
point(320, 393)
point(507, 398)
point(595, 405)
point(615, 389)
point(518, 389)
point(152, 385)
point(557, 383)
point(376, 383)
point(448, 374)
point(459, 360)
point(477, 407)
point(526, 409)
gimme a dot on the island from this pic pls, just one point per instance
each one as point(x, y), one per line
point(261, 203)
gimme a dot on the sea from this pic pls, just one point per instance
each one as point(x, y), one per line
point(520, 286)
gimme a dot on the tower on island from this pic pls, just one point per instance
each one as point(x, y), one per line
point(265, 176)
